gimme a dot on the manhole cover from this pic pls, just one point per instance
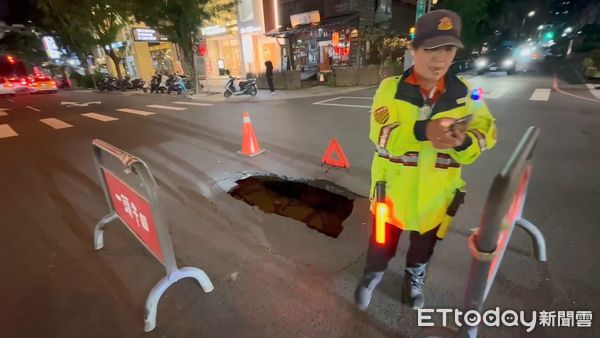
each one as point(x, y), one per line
point(318, 208)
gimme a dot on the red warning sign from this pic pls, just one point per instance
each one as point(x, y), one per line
point(334, 155)
point(135, 212)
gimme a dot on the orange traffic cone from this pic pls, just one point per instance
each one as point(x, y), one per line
point(250, 145)
point(341, 160)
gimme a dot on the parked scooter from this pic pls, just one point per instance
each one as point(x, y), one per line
point(162, 84)
point(246, 87)
point(138, 84)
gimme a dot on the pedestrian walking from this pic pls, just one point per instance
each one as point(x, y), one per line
point(425, 125)
point(269, 74)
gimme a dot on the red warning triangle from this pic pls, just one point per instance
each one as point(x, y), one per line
point(335, 150)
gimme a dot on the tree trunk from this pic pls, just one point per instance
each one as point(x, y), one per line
point(117, 62)
point(189, 66)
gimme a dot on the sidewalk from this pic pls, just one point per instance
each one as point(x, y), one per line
point(263, 95)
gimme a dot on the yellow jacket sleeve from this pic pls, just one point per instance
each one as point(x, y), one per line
point(390, 131)
point(481, 135)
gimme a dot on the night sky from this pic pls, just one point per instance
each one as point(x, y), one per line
point(18, 11)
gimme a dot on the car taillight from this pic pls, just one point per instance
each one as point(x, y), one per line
point(24, 83)
point(8, 85)
point(53, 83)
point(536, 56)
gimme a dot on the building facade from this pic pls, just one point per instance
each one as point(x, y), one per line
point(144, 51)
point(321, 34)
point(235, 40)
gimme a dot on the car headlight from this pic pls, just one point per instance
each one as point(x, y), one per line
point(481, 63)
point(508, 62)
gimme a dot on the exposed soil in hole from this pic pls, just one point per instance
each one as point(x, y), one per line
point(319, 208)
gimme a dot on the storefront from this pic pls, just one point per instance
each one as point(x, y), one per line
point(319, 45)
point(236, 41)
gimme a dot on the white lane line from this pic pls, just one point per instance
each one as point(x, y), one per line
point(135, 111)
point(342, 105)
point(11, 100)
point(329, 100)
point(100, 117)
point(33, 108)
point(592, 88)
point(496, 94)
point(193, 103)
point(3, 113)
point(540, 94)
point(158, 106)
point(7, 131)
point(56, 123)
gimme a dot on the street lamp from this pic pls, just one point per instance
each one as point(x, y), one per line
point(529, 15)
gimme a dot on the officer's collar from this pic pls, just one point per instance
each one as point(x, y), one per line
point(411, 93)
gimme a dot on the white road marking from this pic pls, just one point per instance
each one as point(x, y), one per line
point(592, 88)
point(32, 108)
point(327, 102)
point(6, 131)
point(193, 103)
point(3, 113)
point(100, 117)
point(540, 94)
point(135, 111)
point(158, 106)
point(11, 100)
point(496, 94)
point(56, 123)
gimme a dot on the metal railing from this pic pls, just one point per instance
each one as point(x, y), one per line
point(502, 211)
point(141, 213)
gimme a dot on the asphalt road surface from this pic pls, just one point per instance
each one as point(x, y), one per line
point(273, 276)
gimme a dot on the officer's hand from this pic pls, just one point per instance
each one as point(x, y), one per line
point(439, 133)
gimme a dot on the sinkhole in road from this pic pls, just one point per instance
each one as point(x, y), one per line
point(321, 205)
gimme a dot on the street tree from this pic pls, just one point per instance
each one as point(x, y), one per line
point(385, 43)
point(180, 21)
point(477, 16)
point(81, 25)
point(24, 45)
point(65, 21)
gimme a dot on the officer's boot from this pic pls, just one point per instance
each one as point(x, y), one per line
point(364, 289)
point(412, 286)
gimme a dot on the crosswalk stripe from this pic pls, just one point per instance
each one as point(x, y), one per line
point(100, 117)
point(540, 94)
point(56, 123)
point(158, 106)
point(135, 111)
point(193, 103)
point(3, 113)
point(495, 94)
point(592, 88)
point(7, 131)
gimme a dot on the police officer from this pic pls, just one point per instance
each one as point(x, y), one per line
point(425, 125)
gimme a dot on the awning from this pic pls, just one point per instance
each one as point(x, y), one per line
point(325, 23)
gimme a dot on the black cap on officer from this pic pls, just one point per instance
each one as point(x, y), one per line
point(438, 28)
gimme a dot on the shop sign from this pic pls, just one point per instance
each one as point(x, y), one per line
point(250, 29)
point(213, 30)
point(145, 34)
point(305, 18)
point(335, 39)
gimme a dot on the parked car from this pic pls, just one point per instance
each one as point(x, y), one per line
point(17, 85)
point(43, 84)
point(6, 88)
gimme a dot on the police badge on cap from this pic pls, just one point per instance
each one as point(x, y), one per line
point(438, 28)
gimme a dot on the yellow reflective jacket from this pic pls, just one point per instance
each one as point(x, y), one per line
point(421, 181)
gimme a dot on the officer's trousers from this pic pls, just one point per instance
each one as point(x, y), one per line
point(419, 251)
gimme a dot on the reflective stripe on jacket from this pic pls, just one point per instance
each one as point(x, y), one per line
point(421, 181)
